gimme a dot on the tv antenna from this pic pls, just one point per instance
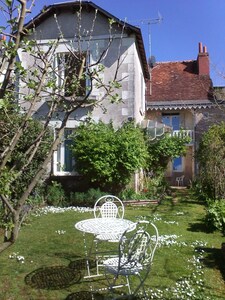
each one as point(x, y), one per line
point(149, 22)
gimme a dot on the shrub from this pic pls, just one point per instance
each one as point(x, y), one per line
point(11, 175)
point(215, 215)
point(37, 197)
point(197, 190)
point(156, 187)
point(109, 157)
point(162, 150)
point(86, 199)
point(130, 194)
point(211, 160)
point(55, 194)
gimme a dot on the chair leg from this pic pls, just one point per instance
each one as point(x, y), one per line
point(112, 285)
point(128, 284)
point(142, 286)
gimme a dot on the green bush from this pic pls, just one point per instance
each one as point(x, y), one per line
point(197, 190)
point(37, 197)
point(130, 194)
point(211, 160)
point(55, 194)
point(11, 175)
point(86, 199)
point(107, 156)
point(215, 215)
point(162, 150)
point(155, 188)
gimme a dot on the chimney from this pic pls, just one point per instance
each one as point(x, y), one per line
point(2, 37)
point(203, 60)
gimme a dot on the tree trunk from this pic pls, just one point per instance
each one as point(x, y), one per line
point(11, 235)
point(16, 227)
point(4, 246)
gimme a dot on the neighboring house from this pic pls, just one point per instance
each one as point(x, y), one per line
point(126, 40)
point(180, 95)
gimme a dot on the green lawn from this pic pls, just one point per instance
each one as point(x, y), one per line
point(188, 264)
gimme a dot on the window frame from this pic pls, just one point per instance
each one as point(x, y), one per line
point(170, 117)
point(181, 165)
point(61, 72)
point(59, 157)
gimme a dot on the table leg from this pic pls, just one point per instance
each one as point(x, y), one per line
point(88, 254)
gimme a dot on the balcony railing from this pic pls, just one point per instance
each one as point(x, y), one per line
point(184, 133)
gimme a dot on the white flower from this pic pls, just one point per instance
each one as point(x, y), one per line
point(60, 232)
point(56, 210)
point(19, 258)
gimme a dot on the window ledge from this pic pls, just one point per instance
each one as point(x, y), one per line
point(91, 98)
point(65, 174)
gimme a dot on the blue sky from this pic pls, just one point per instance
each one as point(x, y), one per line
point(185, 23)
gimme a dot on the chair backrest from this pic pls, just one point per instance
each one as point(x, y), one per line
point(137, 248)
point(109, 206)
point(180, 180)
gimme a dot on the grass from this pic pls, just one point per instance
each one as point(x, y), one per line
point(188, 264)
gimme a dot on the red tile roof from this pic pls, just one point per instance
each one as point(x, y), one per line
point(178, 81)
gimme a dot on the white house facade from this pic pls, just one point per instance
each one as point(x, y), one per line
point(88, 29)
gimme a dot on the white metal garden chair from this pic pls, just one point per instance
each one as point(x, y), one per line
point(135, 257)
point(109, 206)
point(180, 180)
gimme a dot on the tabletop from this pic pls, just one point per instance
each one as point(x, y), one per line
point(104, 225)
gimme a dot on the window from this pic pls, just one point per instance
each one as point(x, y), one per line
point(177, 164)
point(63, 160)
point(69, 67)
point(172, 120)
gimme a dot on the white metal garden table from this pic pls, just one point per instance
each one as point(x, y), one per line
point(106, 228)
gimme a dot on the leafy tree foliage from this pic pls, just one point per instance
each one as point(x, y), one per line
point(211, 158)
point(161, 151)
point(26, 146)
point(18, 171)
point(109, 156)
point(215, 212)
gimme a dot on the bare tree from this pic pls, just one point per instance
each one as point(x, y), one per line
point(59, 79)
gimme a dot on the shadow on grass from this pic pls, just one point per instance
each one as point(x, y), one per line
point(214, 259)
point(75, 261)
point(53, 278)
point(84, 295)
point(58, 277)
point(61, 277)
point(199, 226)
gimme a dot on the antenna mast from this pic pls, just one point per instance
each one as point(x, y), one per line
point(149, 22)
